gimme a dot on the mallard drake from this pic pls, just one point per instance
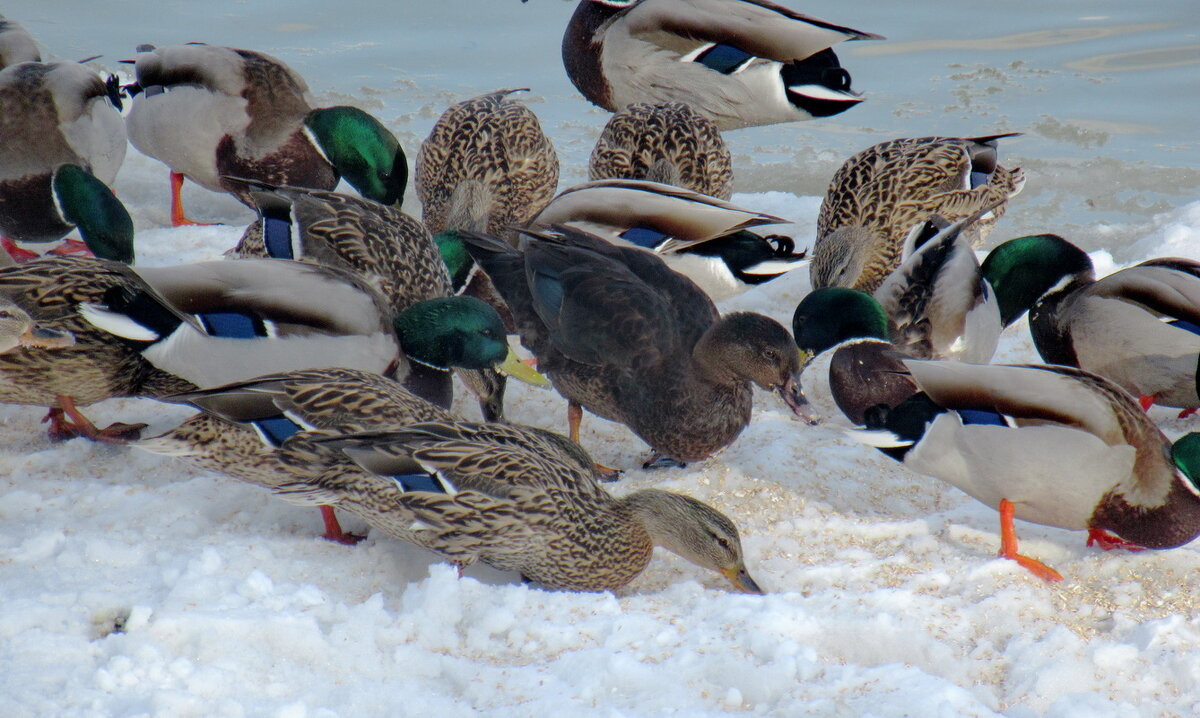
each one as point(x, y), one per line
point(1049, 444)
point(619, 333)
point(878, 196)
point(270, 302)
point(16, 44)
point(738, 62)
point(485, 164)
point(390, 250)
point(666, 142)
point(704, 238)
point(211, 112)
point(937, 301)
point(850, 363)
point(62, 141)
point(172, 329)
point(1136, 327)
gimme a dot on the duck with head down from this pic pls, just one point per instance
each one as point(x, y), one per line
point(623, 336)
point(211, 112)
point(62, 141)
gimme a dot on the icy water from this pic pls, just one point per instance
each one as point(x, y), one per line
point(1106, 92)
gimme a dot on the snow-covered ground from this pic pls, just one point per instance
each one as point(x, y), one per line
point(134, 585)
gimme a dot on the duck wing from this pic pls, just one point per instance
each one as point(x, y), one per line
point(1168, 287)
point(759, 27)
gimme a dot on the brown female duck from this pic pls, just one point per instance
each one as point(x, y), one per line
point(634, 342)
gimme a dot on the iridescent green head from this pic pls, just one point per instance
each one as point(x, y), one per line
point(1186, 455)
point(461, 332)
point(458, 260)
point(1022, 270)
point(362, 150)
point(87, 203)
point(831, 315)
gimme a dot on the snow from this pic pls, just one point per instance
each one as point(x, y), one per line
point(135, 585)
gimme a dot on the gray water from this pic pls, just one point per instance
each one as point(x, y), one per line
point(1106, 92)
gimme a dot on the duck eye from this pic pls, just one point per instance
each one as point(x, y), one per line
point(723, 542)
point(5, 314)
point(771, 355)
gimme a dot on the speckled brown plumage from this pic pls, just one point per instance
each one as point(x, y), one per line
point(643, 135)
point(330, 400)
point(519, 501)
point(385, 246)
point(497, 141)
point(98, 366)
point(632, 341)
point(889, 188)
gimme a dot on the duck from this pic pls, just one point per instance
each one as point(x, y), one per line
point(666, 142)
point(61, 144)
point(877, 196)
point(485, 166)
point(516, 498)
point(620, 334)
point(705, 238)
point(1048, 444)
point(937, 301)
point(269, 301)
point(740, 63)
point(391, 251)
point(1137, 327)
point(211, 112)
point(850, 364)
point(242, 425)
point(166, 330)
point(16, 44)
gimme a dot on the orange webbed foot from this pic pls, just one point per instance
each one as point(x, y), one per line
point(1008, 546)
point(1108, 542)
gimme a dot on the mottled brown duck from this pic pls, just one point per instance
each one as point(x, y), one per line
point(880, 194)
point(669, 143)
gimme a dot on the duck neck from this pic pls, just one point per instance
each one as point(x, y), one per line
point(709, 363)
point(581, 48)
point(656, 512)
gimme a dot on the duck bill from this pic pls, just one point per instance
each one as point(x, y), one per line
point(740, 578)
point(792, 395)
point(44, 338)
point(519, 370)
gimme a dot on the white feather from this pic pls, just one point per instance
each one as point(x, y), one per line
point(115, 323)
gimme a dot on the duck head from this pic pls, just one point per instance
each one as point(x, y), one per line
point(745, 346)
point(832, 315)
point(87, 203)
point(1024, 270)
point(17, 329)
point(362, 150)
point(1185, 452)
point(463, 333)
point(696, 531)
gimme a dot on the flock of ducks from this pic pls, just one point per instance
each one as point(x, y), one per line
point(320, 354)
